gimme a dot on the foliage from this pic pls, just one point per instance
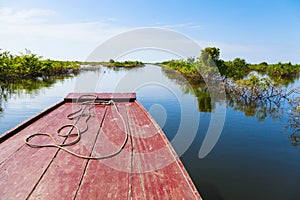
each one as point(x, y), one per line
point(262, 95)
point(29, 66)
point(256, 96)
point(209, 65)
point(29, 72)
point(129, 64)
point(191, 60)
point(254, 88)
point(280, 72)
point(185, 68)
point(210, 56)
point(202, 68)
point(236, 69)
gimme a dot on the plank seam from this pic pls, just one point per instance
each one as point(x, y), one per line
point(44, 172)
point(132, 155)
point(173, 153)
point(11, 155)
point(137, 161)
point(52, 160)
point(86, 165)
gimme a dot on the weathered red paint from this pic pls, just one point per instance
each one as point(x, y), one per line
point(103, 96)
point(146, 168)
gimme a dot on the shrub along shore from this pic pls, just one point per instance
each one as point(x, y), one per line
point(127, 64)
point(209, 61)
point(31, 66)
point(256, 89)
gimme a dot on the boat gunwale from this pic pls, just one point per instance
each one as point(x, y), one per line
point(11, 132)
point(118, 97)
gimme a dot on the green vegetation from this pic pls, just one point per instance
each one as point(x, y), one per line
point(256, 96)
point(29, 72)
point(31, 66)
point(209, 63)
point(127, 64)
point(199, 68)
point(258, 90)
point(185, 68)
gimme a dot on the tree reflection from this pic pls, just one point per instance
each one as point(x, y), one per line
point(192, 86)
point(27, 86)
point(294, 120)
point(260, 97)
point(254, 96)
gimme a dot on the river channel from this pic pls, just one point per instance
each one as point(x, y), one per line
point(253, 156)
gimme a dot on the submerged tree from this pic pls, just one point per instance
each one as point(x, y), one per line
point(261, 97)
point(294, 119)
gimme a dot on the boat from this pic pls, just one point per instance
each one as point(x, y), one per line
point(92, 146)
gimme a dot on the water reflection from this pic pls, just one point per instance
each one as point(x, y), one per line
point(29, 87)
point(7, 89)
point(294, 121)
point(278, 105)
point(191, 86)
point(284, 80)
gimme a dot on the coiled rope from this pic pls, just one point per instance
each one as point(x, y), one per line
point(81, 112)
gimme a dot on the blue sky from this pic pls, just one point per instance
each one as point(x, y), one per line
point(70, 30)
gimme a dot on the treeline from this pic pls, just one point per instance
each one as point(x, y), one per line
point(126, 63)
point(188, 69)
point(30, 66)
point(253, 94)
point(235, 69)
point(238, 68)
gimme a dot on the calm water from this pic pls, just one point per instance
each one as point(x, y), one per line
point(253, 159)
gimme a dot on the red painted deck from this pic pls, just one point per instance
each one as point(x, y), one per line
point(145, 167)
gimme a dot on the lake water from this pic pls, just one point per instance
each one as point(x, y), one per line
point(253, 157)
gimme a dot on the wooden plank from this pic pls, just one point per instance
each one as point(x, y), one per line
point(161, 172)
point(172, 151)
point(117, 97)
point(108, 178)
point(15, 142)
point(20, 172)
point(65, 172)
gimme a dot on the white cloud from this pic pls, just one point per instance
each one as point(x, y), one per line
point(33, 29)
point(188, 25)
point(8, 15)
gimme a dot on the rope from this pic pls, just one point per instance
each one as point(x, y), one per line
point(77, 115)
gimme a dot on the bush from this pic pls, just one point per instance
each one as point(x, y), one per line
point(30, 65)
